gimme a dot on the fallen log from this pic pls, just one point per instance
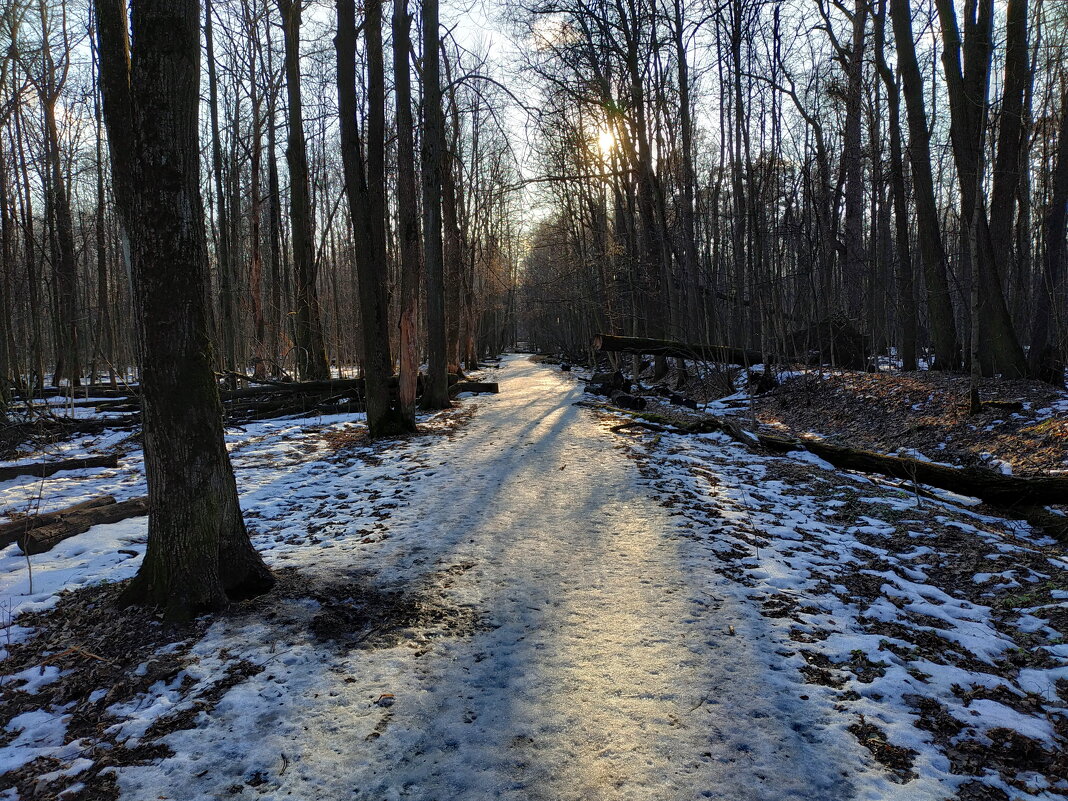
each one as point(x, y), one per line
point(644, 346)
point(69, 426)
point(268, 411)
point(85, 391)
point(10, 532)
point(281, 388)
point(473, 386)
point(986, 485)
point(42, 538)
point(45, 469)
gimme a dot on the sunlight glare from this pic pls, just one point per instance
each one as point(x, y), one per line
point(606, 140)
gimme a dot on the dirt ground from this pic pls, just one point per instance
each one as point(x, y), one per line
point(1026, 425)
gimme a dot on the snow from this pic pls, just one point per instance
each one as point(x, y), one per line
point(620, 648)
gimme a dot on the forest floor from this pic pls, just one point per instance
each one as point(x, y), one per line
point(1023, 430)
point(521, 604)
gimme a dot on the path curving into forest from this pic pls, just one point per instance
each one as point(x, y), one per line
point(605, 666)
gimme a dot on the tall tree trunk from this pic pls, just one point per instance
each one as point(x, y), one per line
point(436, 386)
point(255, 242)
point(452, 252)
point(904, 272)
point(105, 338)
point(227, 318)
point(199, 553)
point(1006, 178)
point(407, 214)
point(307, 329)
point(854, 270)
point(999, 346)
point(689, 237)
point(1046, 360)
point(367, 207)
point(65, 265)
point(932, 248)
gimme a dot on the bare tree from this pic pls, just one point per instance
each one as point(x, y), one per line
point(199, 554)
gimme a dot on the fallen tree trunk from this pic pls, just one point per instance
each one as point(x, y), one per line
point(85, 391)
point(10, 532)
point(644, 346)
point(45, 469)
point(986, 485)
point(73, 521)
point(68, 426)
point(473, 386)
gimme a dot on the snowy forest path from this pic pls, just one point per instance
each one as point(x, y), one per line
point(609, 659)
point(610, 671)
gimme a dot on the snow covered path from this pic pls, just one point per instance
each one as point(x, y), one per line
point(583, 616)
point(606, 670)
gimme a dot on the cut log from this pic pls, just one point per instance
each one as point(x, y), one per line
point(9, 532)
point(45, 469)
point(73, 521)
point(643, 346)
point(473, 386)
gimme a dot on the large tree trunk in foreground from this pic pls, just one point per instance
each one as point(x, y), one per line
point(199, 553)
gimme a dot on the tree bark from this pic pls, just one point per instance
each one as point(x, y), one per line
point(903, 251)
point(47, 531)
point(407, 214)
point(199, 553)
point(367, 207)
point(436, 392)
point(307, 329)
point(1045, 361)
point(932, 248)
point(999, 347)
